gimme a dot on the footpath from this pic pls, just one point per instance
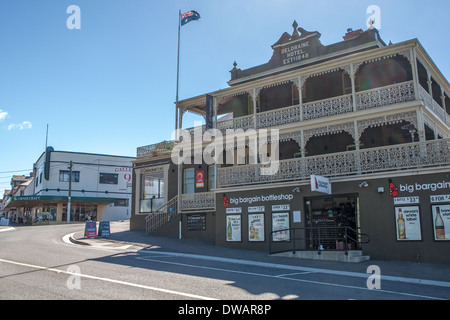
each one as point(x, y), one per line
point(124, 239)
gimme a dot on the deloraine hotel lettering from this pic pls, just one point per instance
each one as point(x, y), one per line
point(295, 52)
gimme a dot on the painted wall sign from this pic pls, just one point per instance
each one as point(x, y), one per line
point(296, 52)
point(261, 198)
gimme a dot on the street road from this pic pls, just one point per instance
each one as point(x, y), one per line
point(36, 263)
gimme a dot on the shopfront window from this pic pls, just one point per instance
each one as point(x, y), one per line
point(189, 181)
point(80, 212)
point(152, 192)
point(48, 213)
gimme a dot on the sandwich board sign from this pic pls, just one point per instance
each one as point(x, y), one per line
point(90, 230)
point(104, 229)
point(320, 184)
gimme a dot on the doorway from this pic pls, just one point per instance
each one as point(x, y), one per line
point(326, 215)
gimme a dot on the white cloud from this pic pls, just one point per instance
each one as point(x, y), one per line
point(3, 114)
point(20, 126)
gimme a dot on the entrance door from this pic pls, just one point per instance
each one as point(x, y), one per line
point(325, 217)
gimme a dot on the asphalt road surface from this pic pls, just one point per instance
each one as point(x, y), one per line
point(36, 263)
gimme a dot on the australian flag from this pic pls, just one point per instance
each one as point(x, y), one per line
point(189, 16)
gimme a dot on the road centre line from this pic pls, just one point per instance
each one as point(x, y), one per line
point(294, 274)
point(291, 279)
point(302, 269)
point(193, 296)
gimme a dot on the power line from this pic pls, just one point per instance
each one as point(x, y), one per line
point(16, 171)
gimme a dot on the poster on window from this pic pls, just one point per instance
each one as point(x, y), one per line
point(233, 225)
point(256, 227)
point(280, 221)
point(407, 222)
point(200, 179)
point(441, 222)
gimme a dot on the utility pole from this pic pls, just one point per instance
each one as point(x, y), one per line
point(70, 191)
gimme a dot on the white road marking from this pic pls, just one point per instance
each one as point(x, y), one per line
point(302, 269)
point(291, 279)
point(136, 285)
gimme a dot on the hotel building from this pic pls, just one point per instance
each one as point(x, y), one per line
point(361, 131)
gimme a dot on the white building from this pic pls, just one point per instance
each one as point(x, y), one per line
point(100, 188)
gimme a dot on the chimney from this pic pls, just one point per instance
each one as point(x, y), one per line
point(352, 34)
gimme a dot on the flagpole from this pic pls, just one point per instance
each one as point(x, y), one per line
point(178, 76)
point(178, 133)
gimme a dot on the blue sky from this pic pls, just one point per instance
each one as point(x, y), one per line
point(110, 86)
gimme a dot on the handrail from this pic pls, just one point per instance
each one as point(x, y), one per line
point(162, 215)
point(310, 238)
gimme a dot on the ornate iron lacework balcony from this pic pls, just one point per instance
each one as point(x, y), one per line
point(156, 150)
point(433, 153)
point(433, 105)
point(397, 93)
point(198, 201)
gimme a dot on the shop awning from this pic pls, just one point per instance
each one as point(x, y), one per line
point(31, 201)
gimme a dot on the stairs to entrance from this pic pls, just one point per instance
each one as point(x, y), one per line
point(162, 216)
point(354, 256)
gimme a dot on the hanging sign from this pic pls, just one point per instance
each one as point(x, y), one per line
point(90, 230)
point(320, 184)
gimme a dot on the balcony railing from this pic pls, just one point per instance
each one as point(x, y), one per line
point(198, 201)
point(366, 99)
point(433, 105)
point(156, 150)
point(432, 153)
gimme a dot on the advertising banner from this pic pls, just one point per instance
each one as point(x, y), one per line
point(407, 220)
point(441, 222)
point(256, 227)
point(280, 221)
point(233, 226)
